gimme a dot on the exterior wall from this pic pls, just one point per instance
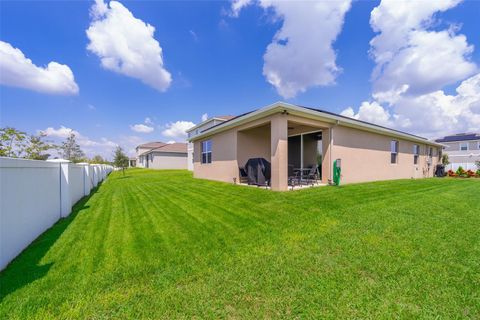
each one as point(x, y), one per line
point(232, 148)
point(193, 133)
point(366, 157)
point(465, 159)
point(253, 143)
point(454, 147)
point(168, 160)
point(190, 156)
point(224, 166)
point(34, 195)
point(141, 161)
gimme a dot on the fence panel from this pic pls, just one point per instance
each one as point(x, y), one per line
point(35, 194)
point(30, 203)
point(465, 166)
point(76, 181)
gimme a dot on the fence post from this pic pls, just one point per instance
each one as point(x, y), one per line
point(65, 199)
point(86, 178)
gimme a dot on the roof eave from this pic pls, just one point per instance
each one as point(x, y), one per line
point(204, 122)
point(301, 111)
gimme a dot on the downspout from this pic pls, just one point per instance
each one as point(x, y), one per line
point(331, 149)
point(330, 163)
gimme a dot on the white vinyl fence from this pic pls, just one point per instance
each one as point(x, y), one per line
point(465, 166)
point(35, 194)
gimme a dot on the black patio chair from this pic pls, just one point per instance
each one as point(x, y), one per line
point(293, 177)
point(243, 175)
point(312, 176)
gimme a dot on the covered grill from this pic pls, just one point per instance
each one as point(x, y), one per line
point(258, 171)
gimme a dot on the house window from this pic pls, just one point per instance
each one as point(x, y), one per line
point(394, 151)
point(416, 153)
point(463, 146)
point(207, 151)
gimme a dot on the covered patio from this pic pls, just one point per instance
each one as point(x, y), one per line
point(294, 148)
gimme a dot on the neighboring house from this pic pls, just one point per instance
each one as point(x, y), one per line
point(294, 136)
point(199, 128)
point(463, 149)
point(160, 155)
point(132, 162)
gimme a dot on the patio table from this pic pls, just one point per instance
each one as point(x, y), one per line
point(302, 172)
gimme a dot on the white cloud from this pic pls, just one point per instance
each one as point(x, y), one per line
point(62, 132)
point(301, 54)
point(194, 35)
point(238, 5)
point(410, 59)
point(141, 128)
point(148, 121)
point(16, 70)
point(126, 45)
point(413, 65)
point(103, 146)
point(177, 130)
point(204, 117)
point(129, 143)
point(432, 115)
point(91, 107)
point(370, 112)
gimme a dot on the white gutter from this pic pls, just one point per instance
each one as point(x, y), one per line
point(203, 123)
point(317, 115)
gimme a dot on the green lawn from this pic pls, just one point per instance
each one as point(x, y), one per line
point(158, 244)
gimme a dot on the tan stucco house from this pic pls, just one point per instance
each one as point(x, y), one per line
point(293, 136)
point(160, 155)
point(199, 128)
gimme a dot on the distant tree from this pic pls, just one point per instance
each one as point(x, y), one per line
point(36, 147)
point(445, 160)
point(97, 159)
point(71, 150)
point(477, 163)
point(120, 159)
point(12, 142)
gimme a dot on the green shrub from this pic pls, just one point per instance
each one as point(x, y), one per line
point(460, 171)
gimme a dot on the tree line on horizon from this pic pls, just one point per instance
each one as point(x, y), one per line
point(18, 144)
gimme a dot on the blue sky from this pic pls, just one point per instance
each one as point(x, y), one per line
point(216, 61)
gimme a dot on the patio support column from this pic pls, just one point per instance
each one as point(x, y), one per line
point(279, 145)
point(327, 156)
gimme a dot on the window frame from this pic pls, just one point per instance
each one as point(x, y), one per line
point(206, 154)
point(394, 148)
point(416, 154)
point(464, 143)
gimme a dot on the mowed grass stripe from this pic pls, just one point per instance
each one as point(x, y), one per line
point(159, 244)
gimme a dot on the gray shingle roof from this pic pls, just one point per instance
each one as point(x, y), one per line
point(460, 137)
